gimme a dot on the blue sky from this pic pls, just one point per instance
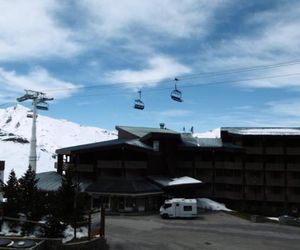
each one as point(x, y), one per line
point(238, 62)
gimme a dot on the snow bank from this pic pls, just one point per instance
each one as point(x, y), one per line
point(208, 204)
point(183, 180)
point(69, 233)
point(214, 133)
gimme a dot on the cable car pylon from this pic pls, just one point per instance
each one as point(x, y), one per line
point(39, 101)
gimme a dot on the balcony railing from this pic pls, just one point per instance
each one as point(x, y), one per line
point(275, 166)
point(293, 167)
point(254, 150)
point(234, 195)
point(272, 181)
point(254, 180)
point(203, 164)
point(274, 150)
point(254, 166)
point(229, 179)
point(293, 151)
point(292, 182)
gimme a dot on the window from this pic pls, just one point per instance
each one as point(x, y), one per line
point(167, 206)
point(187, 208)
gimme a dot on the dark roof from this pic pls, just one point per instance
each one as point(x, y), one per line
point(278, 131)
point(142, 131)
point(104, 144)
point(49, 181)
point(123, 186)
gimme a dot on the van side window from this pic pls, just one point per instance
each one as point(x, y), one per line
point(187, 208)
point(167, 206)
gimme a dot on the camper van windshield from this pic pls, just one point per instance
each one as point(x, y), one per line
point(167, 206)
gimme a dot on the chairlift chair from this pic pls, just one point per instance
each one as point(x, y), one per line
point(138, 104)
point(42, 105)
point(30, 114)
point(176, 95)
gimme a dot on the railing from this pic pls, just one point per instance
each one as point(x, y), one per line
point(254, 165)
point(229, 179)
point(254, 150)
point(293, 151)
point(275, 166)
point(274, 150)
point(203, 164)
point(293, 166)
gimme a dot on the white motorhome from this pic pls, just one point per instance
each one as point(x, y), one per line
point(179, 208)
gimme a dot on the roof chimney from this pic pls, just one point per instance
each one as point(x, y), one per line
point(162, 125)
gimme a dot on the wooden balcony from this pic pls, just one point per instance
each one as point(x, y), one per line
point(276, 182)
point(185, 164)
point(254, 150)
point(293, 167)
point(253, 195)
point(275, 196)
point(254, 180)
point(254, 166)
point(85, 168)
point(293, 151)
point(109, 164)
point(292, 182)
point(232, 165)
point(293, 197)
point(274, 150)
point(203, 164)
point(135, 164)
point(229, 179)
point(233, 195)
point(275, 166)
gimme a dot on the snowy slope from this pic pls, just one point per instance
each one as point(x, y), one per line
point(15, 134)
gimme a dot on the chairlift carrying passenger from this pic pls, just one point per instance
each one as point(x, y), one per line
point(138, 104)
point(176, 95)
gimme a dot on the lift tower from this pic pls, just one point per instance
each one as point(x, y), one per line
point(39, 101)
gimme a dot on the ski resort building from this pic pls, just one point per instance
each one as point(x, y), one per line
point(251, 169)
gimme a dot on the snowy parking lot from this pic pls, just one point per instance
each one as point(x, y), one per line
point(213, 230)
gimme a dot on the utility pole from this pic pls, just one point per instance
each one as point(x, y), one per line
point(39, 101)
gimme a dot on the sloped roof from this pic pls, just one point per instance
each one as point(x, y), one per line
point(279, 131)
point(49, 181)
point(104, 144)
point(142, 131)
point(123, 186)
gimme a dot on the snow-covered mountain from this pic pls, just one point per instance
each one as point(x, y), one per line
point(15, 134)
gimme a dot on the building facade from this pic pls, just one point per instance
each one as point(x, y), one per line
point(251, 169)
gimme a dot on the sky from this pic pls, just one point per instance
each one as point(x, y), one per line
point(237, 62)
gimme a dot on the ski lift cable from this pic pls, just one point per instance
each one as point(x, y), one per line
point(196, 85)
point(185, 77)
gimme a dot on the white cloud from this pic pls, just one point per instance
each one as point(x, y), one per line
point(272, 38)
point(286, 107)
point(158, 68)
point(115, 19)
point(29, 29)
point(38, 79)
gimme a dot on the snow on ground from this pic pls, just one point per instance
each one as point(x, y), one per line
point(269, 131)
point(69, 233)
point(52, 134)
point(183, 180)
point(273, 218)
point(214, 133)
point(209, 204)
